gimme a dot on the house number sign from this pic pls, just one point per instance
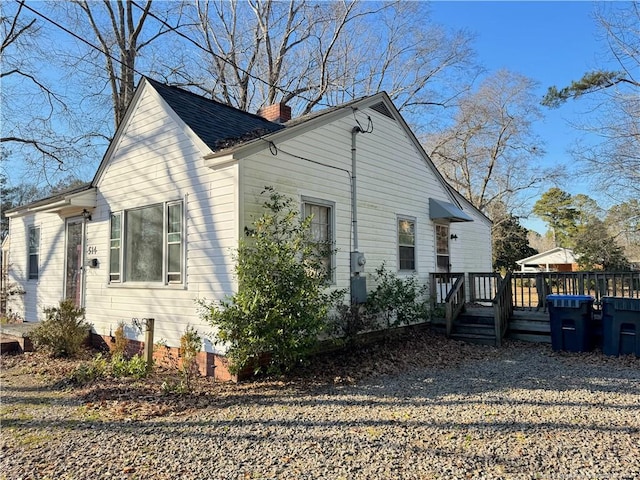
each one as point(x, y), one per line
point(92, 250)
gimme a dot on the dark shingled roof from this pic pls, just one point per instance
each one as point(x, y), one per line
point(218, 125)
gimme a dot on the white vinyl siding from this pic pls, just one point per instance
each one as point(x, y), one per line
point(152, 161)
point(48, 288)
point(393, 179)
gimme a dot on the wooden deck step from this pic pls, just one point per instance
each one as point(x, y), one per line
point(475, 338)
point(475, 325)
point(9, 345)
point(17, 334)
point(473, 328)
point(530, 326)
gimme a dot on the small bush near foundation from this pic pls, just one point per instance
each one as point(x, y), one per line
point(190, 344)
point(399, 301)
point(88, 372)
point(10, 318)
point(120, 341)
point(64, 330)
point(135, 367)
point(103, 367)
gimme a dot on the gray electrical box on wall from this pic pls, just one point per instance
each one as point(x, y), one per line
point(358, 289)
point(357, 262)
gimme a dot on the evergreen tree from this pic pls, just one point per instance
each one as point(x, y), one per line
point(510, 243)
point(596, 248)
point(556, 207)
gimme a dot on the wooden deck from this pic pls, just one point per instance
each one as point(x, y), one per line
point(14, 337)
point(477, 325)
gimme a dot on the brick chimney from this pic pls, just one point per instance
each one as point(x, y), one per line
point(278, 112)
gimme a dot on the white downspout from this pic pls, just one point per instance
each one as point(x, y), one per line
point(354, 204)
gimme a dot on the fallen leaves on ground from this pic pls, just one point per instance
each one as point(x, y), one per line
point(137, 399)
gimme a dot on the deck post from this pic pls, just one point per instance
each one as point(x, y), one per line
point(148, 342)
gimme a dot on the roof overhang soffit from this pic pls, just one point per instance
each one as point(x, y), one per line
point(214, 161)
point(439, 210)
point(64, 206)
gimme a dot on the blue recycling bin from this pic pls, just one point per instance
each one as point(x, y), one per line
point(620, 326)
point(571, 318)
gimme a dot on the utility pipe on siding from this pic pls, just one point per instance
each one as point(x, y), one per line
point(354, 204)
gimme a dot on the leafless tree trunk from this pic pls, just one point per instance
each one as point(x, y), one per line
point(118, 28)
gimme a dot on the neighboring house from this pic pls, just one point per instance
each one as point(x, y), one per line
point(157, 227)
point(555, 260)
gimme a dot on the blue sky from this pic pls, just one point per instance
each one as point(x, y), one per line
point(550, 42)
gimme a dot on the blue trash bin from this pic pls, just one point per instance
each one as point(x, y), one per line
point(620, 326)
point(571, 318)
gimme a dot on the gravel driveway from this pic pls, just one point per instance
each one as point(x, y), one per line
point(452, 411)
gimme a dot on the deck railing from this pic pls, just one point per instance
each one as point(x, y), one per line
point(441, 284)
point(502, 308)
point(483, 286)
point(454, 303)
point(448, 289)
point(529, 290)
point(524, 290)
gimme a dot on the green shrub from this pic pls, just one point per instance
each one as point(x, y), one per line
point(190, 344)
point(135, 367)
point(120, 341)
point(10, 318)
point(101, 367)
point(88, 372)
point(281, 304)
point(171, 387)
point(64, 330)
point(399, 301)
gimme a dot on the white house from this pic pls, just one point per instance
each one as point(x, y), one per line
point(156, 228)
point(557, 259)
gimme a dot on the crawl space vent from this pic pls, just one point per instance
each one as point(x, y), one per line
point(382, 108)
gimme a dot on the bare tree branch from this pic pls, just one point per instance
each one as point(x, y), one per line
point(314, 53)
point(488, 154)
point(47, 150)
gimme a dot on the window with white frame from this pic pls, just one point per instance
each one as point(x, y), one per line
point(321, 229)
point(147, 244)
point(114, 247)
point(406, 243)
point(34, 252)
point(442, 247)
